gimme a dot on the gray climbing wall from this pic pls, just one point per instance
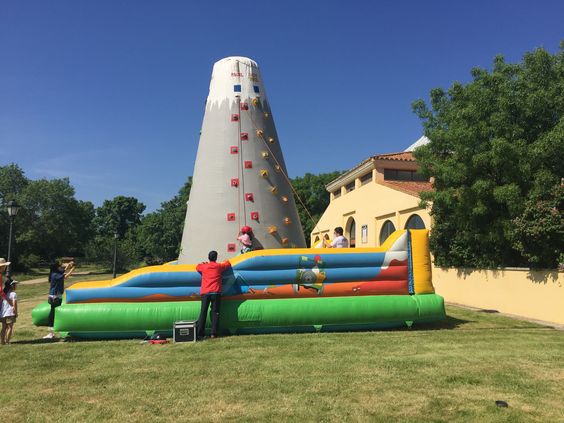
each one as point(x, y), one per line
point(239, 175)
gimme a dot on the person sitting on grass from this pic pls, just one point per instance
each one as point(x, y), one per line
point(210, 291)
point(9, 311)
point(57, 274)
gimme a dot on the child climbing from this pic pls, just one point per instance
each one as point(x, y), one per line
point(246, 239)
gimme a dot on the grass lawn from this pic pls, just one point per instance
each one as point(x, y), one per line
point(453, 371)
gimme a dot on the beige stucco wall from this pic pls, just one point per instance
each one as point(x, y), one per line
point(535, 295)
point(370, 204)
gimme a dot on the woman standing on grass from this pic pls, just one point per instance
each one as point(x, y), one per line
point(57, 274)
point(9, 311)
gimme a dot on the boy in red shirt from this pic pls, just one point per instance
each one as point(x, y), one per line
point(210, 291)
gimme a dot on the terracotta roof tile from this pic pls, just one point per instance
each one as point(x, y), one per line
point(409, 187)
point(406, 156)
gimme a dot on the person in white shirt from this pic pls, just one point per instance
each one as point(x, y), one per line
point(339, 241)
point(9, 311)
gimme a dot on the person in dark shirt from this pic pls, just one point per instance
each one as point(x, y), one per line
point(210, 291)
point(57, 274)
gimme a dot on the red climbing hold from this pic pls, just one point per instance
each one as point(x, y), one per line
point(235, 182)
point(234, 149)
point(254, 216)
point(248, 164)
point(244, 136)
point(249, 197)
point(244, 106)
point(231, 248)
point(230, 217)
point(234, 118)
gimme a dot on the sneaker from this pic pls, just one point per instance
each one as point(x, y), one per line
point(50, 335)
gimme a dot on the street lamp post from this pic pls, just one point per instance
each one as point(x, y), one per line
point(13, 209)
point(115, 253)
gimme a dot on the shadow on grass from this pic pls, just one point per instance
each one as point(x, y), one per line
point(448, 323)
point(37, 341)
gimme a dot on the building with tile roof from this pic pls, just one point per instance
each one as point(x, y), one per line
point(375, 198)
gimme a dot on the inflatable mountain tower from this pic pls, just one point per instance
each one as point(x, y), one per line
point(240, 177)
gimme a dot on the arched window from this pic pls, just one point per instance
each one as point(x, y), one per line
point(350, 232)
point(387, 229)
point(414, 222)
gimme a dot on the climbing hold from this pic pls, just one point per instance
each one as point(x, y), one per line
point(230, 217)
point(248, 164)
point(278, 168)
point(265, 154)
point(235, 118)
point(244, 136)
point(266, 114)
point(234, 149)
point(235, 182)
point(274, 190)
point(254, 216)
point(231, 248)
point(264, 173)
point(249, 197)
point(256, 102)
point(244, 106)
point(271, 140)
point(272, 229)
point(287, 221)
point(260, 133)
point(284, 241)
point(284, 199)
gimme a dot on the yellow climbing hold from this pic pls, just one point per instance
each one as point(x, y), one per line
point(271, 140)
point(284, 199)
point(255, 102)
point(272, 229)
point(287, 221)
point(260, 133)
point(264, 173)
point(265, 155)
point(277, 167)
point(284, 241)
point(274, 190)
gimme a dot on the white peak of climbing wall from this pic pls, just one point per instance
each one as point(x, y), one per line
point(235, 76)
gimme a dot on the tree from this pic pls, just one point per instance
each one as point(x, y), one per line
point(160, 233)
point(311, 190)
point(118, 216)
point(51, 222)
point(496, 152)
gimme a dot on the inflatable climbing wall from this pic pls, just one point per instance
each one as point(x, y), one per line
point(239, 178)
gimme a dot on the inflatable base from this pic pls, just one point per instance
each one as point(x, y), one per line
point(137, 320)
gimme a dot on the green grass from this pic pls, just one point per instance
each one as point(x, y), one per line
point(453, 371)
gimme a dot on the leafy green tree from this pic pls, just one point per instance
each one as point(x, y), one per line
point(51, 222)
point(496, 155)
point(118, 216)
point(160, 233)
point(311, 190)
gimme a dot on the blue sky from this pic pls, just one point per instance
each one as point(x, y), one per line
point(111, 93)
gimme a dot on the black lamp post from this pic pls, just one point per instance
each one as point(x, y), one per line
point(115, 253)
point(13, 209)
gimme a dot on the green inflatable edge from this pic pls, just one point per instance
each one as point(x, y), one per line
point(131, 320)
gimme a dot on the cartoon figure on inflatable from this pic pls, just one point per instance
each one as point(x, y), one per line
point(289, 290)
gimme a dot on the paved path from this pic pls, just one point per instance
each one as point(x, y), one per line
point(44, 279)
